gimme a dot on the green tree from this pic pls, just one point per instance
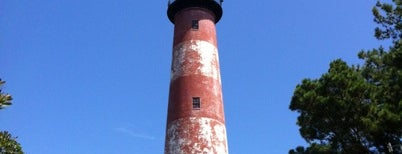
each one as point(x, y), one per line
point(388, 16)
point(8, 144)
point(356, 109)
point(5, 99)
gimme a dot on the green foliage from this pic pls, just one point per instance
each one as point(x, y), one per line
point(389, 17)
point(356, 109)
point(352, 109)
point(313, 149)
point(8, 144)
point(5, 99)
point(331, 109)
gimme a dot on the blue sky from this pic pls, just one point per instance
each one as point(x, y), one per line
point(92, 76)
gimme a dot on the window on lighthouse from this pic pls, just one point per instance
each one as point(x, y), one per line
point(195, 25)
point(196, 103)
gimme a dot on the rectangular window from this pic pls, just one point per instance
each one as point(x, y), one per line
point(195, 25)
point(196, 103)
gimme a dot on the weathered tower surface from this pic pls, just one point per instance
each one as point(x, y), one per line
point(195, 121)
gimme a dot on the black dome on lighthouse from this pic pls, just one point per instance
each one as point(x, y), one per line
point(177, 5)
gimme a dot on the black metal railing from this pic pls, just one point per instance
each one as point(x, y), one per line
point(175, 6)
point(217, 1)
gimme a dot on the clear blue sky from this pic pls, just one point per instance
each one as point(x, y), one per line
point(92, 76)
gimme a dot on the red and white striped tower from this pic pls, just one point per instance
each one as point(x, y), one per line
point(195, 121)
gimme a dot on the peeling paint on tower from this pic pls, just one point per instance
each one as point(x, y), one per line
point(195, 121)
point(195, 57)
point(199, 135)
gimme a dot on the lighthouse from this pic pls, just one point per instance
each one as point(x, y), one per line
point(195, 118)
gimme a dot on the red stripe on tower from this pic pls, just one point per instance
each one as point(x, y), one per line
point(195, 122)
